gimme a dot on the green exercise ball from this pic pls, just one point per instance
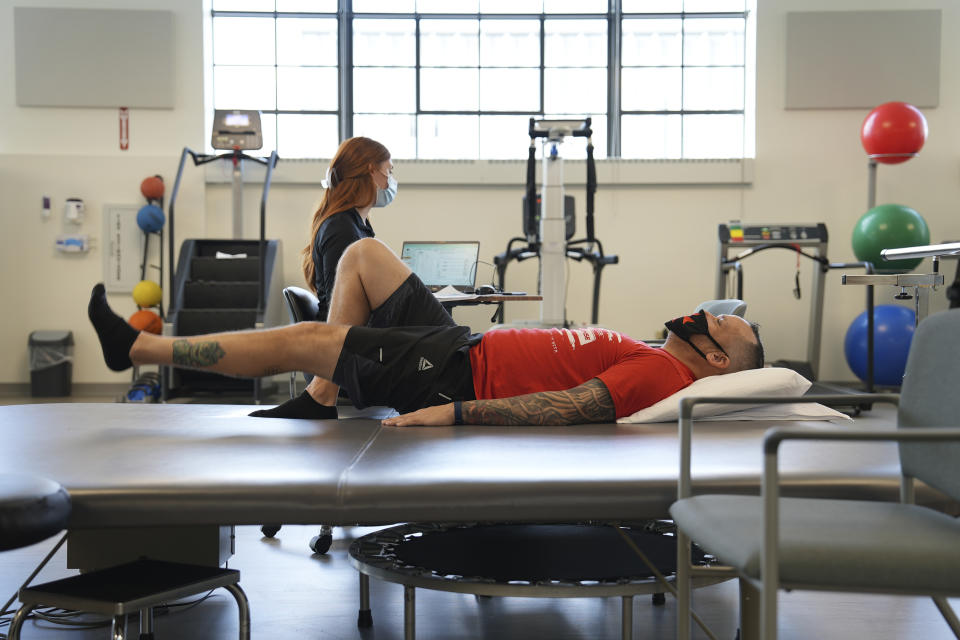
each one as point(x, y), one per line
point(889, 226)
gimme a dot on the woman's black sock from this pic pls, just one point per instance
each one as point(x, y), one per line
point(116, 336)
point(303, 406)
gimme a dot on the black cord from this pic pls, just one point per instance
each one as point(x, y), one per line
point(493, 274)
point(763, 247)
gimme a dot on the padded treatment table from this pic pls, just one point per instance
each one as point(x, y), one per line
point(130, 465)
point(170, 480)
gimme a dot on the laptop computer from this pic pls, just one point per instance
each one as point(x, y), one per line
point(442, 264)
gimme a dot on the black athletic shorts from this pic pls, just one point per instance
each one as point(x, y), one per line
point(411, 305)
point(406, 368)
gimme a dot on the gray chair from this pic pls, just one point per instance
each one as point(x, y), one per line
point(841, 545)
point(302, 306)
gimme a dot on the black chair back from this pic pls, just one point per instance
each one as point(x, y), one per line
point(301, 304)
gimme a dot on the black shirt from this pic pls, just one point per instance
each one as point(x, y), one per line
point(335, 234)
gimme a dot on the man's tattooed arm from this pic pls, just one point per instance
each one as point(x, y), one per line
point(590, 402)
point(197, 355)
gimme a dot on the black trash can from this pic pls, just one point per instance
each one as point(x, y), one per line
point(51, 363)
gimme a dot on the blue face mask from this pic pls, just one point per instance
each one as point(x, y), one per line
point(385, 196)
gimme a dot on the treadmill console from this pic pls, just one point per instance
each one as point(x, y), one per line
point(236, 129)
point(752, 234)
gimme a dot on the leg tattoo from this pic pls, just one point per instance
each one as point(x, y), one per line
point(201, 354)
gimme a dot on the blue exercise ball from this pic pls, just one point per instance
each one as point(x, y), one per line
point(893, 331)
point(150, 218)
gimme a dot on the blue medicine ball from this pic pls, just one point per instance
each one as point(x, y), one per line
point(893, 331)
point(150, 218)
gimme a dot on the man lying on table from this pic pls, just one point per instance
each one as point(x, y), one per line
point(443, 375)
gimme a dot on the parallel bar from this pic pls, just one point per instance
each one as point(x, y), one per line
point(925, 251)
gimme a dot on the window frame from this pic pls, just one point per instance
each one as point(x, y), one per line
point(614, 17)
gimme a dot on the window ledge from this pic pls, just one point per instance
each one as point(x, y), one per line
point(510, 173)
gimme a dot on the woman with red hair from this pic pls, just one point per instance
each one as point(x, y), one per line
point(359, 179)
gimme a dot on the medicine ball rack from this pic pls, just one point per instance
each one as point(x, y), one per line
point(223, 284)
point(807, 240)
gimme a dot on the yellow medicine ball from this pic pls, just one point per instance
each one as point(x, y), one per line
point(147, 293)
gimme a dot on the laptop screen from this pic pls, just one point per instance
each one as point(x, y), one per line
point(440, 264)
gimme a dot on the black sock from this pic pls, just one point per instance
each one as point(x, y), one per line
point(116, 336)
point(303, 406)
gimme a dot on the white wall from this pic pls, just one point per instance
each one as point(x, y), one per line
point(64, 153)
point(809, 168)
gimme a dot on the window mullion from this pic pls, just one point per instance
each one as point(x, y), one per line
point(683, 79)
point(416, 64)
point(345, 63)
point(276, 77)
point(543, 61)
point(614, 62)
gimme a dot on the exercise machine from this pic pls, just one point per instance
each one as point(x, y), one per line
point(224, 284)
point(808, 241)
point(549, 223)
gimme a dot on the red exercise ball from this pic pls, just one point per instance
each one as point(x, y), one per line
point(152, 188)
point(893, 132)
point(146, 320)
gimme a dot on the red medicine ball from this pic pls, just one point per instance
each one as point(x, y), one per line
point(893, 132)
point(152, 188)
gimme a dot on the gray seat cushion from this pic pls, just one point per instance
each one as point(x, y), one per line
point(31, 509)
point(845, 544)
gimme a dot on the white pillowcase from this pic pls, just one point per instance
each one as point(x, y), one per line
point(769, 381)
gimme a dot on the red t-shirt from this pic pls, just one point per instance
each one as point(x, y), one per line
point(512, 362)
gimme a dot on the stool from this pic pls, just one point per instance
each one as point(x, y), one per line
point(540, 561)
point(33, 509)
point(133, 587)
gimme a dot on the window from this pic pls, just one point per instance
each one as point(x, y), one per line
point(268, 56)
point(683, 79)
point(460, 79)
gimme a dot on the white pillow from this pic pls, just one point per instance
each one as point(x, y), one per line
point(769, 381)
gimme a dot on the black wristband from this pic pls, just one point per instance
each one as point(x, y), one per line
point(457, 412)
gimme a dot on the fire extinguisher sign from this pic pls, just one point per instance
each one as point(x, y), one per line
point(124, 128)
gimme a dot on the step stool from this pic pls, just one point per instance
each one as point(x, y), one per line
point(133, 587)
point(32, 509)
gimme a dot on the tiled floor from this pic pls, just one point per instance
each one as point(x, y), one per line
point(296, 594)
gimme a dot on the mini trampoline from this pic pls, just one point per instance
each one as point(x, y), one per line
point(521, 560)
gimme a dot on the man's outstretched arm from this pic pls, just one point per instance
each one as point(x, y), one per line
point(589, 402)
